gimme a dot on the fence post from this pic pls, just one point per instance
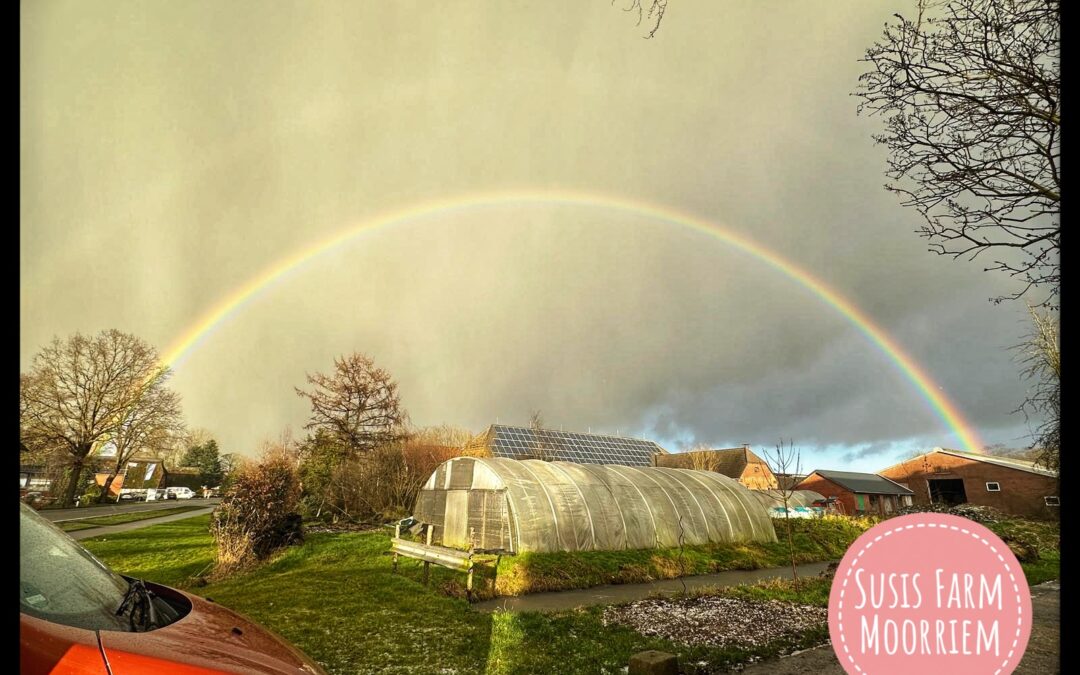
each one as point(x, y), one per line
point(397, 535)
point(427, 565)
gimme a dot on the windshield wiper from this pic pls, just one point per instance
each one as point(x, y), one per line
point(139, 606)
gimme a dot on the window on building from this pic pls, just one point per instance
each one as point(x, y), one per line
point(993, 487)
point(1052, 501)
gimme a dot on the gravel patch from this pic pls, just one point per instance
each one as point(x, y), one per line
point(716, 621)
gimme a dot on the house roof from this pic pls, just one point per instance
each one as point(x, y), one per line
point(787, 481)
point(567, 446)
point(731, 462)
point(1008, 462)
point(864, 483)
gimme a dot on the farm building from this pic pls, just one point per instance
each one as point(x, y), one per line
point(531, 505)
point(1014, 486)
point(738, 463)
point(139, 473)
point(858, 493)
point(800, 503)
point(500, 440)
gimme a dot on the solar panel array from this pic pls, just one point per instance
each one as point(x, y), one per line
point(566, 446)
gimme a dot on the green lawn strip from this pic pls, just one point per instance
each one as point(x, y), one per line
point(815, 540)
point(1046, 568)
point(167, 553)
point(813, 590)
point(121, 518)
point(75, 525)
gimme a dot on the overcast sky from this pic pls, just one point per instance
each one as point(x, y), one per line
point(173, 150)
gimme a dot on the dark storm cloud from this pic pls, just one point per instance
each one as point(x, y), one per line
point(172, 151)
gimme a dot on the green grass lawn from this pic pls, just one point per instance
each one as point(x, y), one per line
point(121, 518)
point(168, 553)
point(815, 540)
point(336, 598)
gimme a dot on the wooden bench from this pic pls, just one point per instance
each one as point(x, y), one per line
point(452, 558)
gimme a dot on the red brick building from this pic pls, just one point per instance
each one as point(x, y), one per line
point(858, 493)
point(947, 476)
point(738, 463)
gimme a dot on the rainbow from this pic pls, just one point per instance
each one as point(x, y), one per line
point(924, 384)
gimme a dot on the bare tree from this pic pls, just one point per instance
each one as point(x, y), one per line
point(1041, 356)
point(80, 390)
point(779, 461)
point(970, 92)
point(358, 404)
point(654, 13)
point(544, 448)
point(153, 423)
point(702, 457)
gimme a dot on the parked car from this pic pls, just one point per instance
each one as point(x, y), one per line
point(132, 496)
point(180, 493)
point(34, 498)
point(78, 616)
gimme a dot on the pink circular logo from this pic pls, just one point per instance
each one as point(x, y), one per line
point(929, 593)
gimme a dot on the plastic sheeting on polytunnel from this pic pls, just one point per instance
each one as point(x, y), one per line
point(796, 499)
point(531, 505)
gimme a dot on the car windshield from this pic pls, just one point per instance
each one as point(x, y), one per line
point(62, 582)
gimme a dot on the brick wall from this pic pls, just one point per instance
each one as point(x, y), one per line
point(1021, 492)
point(826, 487)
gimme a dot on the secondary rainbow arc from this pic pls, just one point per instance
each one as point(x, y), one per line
point(929, 390)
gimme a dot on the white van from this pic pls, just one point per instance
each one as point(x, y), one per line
point(182, 492)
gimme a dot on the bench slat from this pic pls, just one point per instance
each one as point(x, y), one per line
point(446, 557)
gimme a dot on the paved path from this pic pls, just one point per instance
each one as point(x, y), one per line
point(124, 527)
point(56, 515)
point(1042, 656)
point(614, 593)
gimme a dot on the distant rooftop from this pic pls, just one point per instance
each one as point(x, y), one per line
point(1011, 462)
point(865, 483)
point(729, 461)
point(566, 446)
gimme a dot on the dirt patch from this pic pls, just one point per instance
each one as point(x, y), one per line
point(717, 621)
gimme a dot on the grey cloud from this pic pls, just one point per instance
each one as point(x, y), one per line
point(170, 152)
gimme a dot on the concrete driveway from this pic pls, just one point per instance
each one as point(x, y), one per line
point(136, 525)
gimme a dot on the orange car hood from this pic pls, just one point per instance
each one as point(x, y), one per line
point(209, 639)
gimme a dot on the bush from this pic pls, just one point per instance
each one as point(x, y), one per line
point(376, 485)
point(258, 514)
point(91, 495)
point(987, 515)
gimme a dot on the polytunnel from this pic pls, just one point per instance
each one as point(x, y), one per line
point(796, 499)
point(516, 506)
